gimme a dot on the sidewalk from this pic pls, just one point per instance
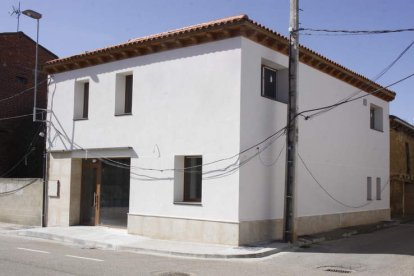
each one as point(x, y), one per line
point(118, 239)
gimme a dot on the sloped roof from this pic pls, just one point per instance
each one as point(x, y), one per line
point(215, 30)
point(22, 34)
point(400, 124)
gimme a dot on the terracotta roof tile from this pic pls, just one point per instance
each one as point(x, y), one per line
point(220, 25)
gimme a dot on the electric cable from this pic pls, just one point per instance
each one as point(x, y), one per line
point(356, 32)
point(378, 76)
point(275, 161)
point(220, 172)
point(267, 138)
point(353, 99)
point(330, 195)
point(16, 117)
point(28, 152)
point(18, 189)
point(22, 92)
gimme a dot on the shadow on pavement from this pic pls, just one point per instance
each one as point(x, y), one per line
point(398, 239)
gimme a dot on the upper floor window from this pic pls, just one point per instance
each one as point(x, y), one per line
point(123, 94)
point(81, 104)
point(375, 117)
point(272, 84)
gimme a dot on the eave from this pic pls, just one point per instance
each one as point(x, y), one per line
point(214, 31)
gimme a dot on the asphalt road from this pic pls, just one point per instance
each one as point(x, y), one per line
point(385, 252)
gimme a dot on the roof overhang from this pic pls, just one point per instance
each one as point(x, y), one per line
point(212, 31)
point(401, 125)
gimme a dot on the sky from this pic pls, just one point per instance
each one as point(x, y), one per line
point(72, 27)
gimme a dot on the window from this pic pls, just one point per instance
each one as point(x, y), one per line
point(21, 80)
point(378, 188)
point(81, 103)
point(375, 117)
point(188, 182)
point(272, 84)
point(192, 178)
point(408, 158)
point(369, 188)
point(85, 100)
point(123, 96)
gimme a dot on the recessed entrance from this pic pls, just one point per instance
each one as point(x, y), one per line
point(105, 192)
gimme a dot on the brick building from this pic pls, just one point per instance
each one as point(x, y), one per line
point(402, 167)
point(21, 147)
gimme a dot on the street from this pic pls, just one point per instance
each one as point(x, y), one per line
point(385, 252)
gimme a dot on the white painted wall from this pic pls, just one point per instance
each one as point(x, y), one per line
point(185, 102)
point(261, 179)
point(339, 147)
point(205, 100)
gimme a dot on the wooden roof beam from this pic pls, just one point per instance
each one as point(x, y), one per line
point(314, 62)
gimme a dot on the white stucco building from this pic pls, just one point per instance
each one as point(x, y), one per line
point(180, 136)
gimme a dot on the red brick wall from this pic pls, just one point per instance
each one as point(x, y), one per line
point(17, 62)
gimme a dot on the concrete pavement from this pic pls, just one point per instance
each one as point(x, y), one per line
point(386, 252)
point(118, 239)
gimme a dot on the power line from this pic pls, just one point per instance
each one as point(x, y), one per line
point(18, 189)
point(221, 172)
point(351, 100)
point(282, 130)
point(18, 116)
point(15, 117)
point(330, 195)
point(21, 92)
point(386, 69)
point(28, 152)
point(275, 161)
point(356, 32)
point(378, 76)
point(18, 162)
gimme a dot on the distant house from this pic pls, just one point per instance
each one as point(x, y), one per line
point(402, 167)
point(180, 135)
point(21, 148)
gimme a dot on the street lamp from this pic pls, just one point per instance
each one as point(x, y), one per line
point(37, 16)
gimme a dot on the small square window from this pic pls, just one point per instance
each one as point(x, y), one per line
point(273, 84)
point(375, 117)
point(123, 94)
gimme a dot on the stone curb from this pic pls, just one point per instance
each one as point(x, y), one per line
point(103, 245)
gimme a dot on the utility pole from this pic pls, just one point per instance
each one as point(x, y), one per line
point(292, 128)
